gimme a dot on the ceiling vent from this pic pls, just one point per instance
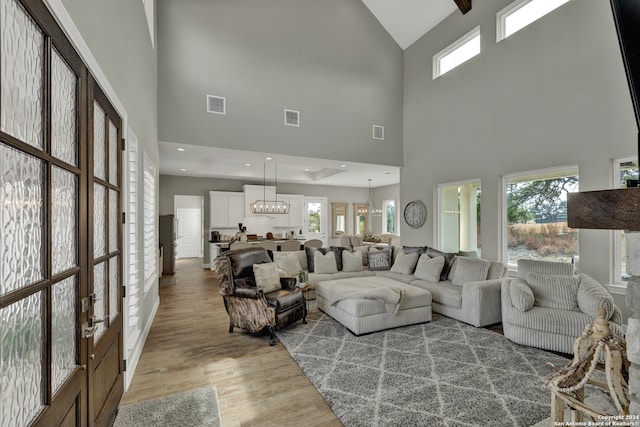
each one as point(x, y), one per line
point(292, 118)
point(216, 104)
point(378, 132)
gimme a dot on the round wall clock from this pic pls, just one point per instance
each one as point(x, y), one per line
point(415, 213)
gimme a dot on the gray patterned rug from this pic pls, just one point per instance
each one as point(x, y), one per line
point(442, 373)
point(192, 408)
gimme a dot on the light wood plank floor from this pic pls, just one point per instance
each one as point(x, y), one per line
point(189, 347)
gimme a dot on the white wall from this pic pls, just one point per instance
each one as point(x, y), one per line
point(552, 94)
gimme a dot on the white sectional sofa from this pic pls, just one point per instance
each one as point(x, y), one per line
point(466, 289)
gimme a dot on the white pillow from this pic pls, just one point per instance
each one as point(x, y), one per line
point(267, 277)
point(553, 291)
point(325, 264)
point(290, 264)
point(405, 263)
point(352, 261)
point(428, 268)
point(470, 270)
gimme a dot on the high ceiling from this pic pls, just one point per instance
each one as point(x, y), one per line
point(406, 21)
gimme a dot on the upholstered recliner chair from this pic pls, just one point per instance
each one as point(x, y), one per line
point(253, 297)
point(548, 307)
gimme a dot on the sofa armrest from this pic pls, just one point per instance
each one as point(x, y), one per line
point(288, 282)
point(252, 293)
point(481, 302)
point(592, 296)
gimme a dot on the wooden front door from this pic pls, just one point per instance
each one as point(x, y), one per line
point(60, 274)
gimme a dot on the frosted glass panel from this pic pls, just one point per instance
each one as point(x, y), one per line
point(113, 153)
point(21, 66)
point(113, 287)
point(64, 220)
point(99, 289)
point(113, 220)
point(99, 156)
point(21, 361)
point(99, 220)
point(63, 331)
point(63, 110)
point(21, 217)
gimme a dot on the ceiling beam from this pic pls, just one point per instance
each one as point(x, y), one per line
point(463, 5)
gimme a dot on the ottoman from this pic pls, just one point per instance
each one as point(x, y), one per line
point(363, 316)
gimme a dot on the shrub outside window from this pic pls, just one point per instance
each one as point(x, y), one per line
point(389, 216)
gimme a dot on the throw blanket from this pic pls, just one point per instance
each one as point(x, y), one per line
point(391, 297)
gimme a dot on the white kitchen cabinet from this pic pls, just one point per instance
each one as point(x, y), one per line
point(226, 209)
point(294, 218)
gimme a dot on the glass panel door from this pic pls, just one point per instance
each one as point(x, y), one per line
point(315, 220)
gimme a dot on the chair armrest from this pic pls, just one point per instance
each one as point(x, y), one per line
point(252, 293)
point(288, 282)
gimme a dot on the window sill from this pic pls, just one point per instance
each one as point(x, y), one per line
point(617, 288)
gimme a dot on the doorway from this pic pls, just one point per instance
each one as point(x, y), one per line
point(189, 226)
point(315, 219)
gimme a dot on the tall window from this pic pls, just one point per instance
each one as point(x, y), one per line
point(521, 13)
point(623, 169)
point(458, 218)
point(459, 52)
point(536, 215)
point(314, 218)
point(389, 216)
point(150, 222)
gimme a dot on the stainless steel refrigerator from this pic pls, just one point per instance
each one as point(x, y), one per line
point(168, 243)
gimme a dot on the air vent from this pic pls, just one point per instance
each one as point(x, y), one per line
point(216, 104)
point(291, 118)
point(378, 132)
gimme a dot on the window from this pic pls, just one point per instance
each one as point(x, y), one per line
point(521, 13)
point(149, 226)
point(131, 234)
point(389, 216)
point(457, 53)
point(535, 216)
point(623, 169)
point(148, 12)
point(458, 216)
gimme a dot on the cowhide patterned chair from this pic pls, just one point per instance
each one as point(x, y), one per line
point(254, 298)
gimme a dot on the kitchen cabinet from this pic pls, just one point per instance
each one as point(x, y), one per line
point(294, 218)
point(226, 209)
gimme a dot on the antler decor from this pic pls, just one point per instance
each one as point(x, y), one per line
point(567, 385)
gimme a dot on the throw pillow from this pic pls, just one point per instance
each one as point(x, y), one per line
point(267, 277)
point(521, 295)
point(405, 263)
point(560, 292)
point(310, 252)
point(352, 261)
point(364, 250)
point(325, 264)
point(337, 250)
point(497, 270)
point(379, 260)
point(428, 268)
point(448, 260)
point(289, 264)
point(469, 270)
point(417, 249)
point(592, 296)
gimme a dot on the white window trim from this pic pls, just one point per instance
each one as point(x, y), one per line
point(502, 231)
point(617, 285)
point(150, 252)
point(452, 47)
point(149, 6)
point(502, 15)
point(437, 232)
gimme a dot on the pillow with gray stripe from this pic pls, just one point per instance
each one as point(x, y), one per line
point(469, 270)
point(553, 291)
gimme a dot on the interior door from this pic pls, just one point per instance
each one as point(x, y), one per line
point(315, 219)
point(189, 233)
point(46, 226)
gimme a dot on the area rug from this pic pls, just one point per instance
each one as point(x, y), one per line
point(442, 373)
point(197, 407)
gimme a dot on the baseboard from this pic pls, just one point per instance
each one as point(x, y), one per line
point(132, 362)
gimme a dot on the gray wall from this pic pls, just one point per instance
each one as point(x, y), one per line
point(331, 60)
point(552, 94)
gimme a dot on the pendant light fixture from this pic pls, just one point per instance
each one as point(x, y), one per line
point(371, 209)
point(269, 207)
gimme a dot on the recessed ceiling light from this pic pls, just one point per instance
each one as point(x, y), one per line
point(306, 169)
point(183, 170)
point(179, 149)
point(247, 164)
point(343, 166)
point(268, 158)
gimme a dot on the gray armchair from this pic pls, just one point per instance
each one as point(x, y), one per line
point(548, 307)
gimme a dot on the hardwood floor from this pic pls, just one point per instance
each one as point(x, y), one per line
point(189, 347)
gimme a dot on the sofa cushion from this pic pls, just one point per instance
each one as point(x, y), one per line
point(398, 277)
point(352, 261)
point(379, 260)
point(550, 320)
point(365, 252)
point(443, 293)
point(315, 278)
point(551, 291)
point(526, 266)
point(289, 264)
point(325, 263)
point(310, 260)
point(267, 277)
point(467, 270)
point(448, 261)
point(521, 295)
point(497, 270)
point(592, 296)
point(428, 268)
point(301, 255)
point(405, 263)
point(414, 249)
point(337, 250)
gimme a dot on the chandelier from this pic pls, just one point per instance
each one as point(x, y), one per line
point(269, 207)
point(370, 208)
